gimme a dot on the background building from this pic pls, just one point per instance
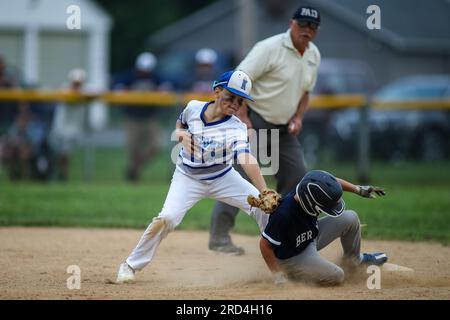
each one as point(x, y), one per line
point(408, 42)
point(36, 42)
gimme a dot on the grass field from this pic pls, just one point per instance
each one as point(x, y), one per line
point(417, 206)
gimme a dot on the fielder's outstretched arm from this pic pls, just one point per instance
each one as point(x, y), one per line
point(251, 168)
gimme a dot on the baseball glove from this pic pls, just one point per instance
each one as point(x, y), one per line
point(268, 200)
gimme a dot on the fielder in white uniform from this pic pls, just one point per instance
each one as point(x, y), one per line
point(212, 138)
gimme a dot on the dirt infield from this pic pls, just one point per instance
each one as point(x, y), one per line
point(33, 264)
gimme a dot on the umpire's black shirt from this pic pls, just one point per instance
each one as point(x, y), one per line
point(290, 230)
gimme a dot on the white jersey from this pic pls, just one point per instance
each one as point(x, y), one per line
point(215, 144)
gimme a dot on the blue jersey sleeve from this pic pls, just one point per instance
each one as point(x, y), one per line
point(273, 230)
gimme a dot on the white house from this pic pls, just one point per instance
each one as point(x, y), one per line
point(37, 38)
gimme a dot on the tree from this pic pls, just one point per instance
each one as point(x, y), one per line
point(134, 21)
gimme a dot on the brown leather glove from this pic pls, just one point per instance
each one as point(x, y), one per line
point(268, 200)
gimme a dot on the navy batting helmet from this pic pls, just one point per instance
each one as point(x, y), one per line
point(320, 192)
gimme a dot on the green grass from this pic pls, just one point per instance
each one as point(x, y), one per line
point(417, 206)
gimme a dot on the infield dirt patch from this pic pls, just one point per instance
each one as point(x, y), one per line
point(33, 264)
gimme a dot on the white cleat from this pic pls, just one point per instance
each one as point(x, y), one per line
point(125, 274)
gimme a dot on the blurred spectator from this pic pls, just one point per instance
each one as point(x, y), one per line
point(6, 79)
point(205, 70)
point(8, 110)
point(24, 145)
point(26, 152)
point(39, 127)
point(18, 146)
point(141, 126)
point(68, 125)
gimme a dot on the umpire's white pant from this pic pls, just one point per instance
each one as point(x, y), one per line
point(310, 266)
point(183, 194)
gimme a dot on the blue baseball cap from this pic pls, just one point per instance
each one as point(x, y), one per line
point(307, 14)
point(237, 82)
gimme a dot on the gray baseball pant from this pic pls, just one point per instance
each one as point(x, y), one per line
point(292, 168)
point(310, 266)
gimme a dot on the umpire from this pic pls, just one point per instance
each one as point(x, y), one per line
point(283, 69)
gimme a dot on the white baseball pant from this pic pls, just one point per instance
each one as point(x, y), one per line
point(184, 193)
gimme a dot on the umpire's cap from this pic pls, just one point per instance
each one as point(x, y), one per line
point(307, 14)
point(320, 192)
